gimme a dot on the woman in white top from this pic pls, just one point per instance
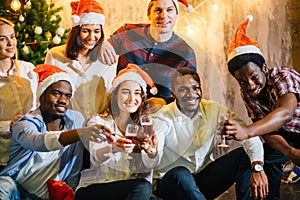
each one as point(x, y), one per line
point(79, 57)
point(112, 174)
point(18, 85)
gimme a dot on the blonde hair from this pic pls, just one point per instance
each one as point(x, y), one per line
point(4, 21)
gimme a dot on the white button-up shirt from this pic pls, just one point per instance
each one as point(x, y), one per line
point(193, 142)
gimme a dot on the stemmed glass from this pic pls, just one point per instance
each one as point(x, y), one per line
point(110, 142)
point(222, 122)
point(147, 124)
point(131, 134)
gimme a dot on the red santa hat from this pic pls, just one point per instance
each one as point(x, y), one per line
point(176, 2)
point(134, 73)
point(87, 12)
point(49, 74)
point(241, 42)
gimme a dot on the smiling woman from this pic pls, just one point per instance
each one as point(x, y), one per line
point(131, 175)
point(79, 57)
point(17, 83)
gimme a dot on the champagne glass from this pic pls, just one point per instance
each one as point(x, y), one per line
point(147, 124)
point(222, 122)
point(131, 133)
point(113, 128)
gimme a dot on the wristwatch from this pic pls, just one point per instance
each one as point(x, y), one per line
point(258, 168)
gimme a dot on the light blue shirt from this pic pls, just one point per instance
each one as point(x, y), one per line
point(32, 144)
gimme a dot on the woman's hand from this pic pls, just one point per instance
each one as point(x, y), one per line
point(148, 143)
point(123, 145)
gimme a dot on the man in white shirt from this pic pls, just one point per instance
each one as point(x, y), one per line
point(186, 131)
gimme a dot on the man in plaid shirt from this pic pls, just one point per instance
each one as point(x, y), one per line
point(154, 47)
point(272, 100)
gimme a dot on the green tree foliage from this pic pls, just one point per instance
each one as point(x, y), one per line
point(35, 16)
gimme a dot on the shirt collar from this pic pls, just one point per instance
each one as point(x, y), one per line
point(12, 71)
point(181, 116)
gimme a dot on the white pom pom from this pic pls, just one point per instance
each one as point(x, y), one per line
point(38, 30)
point(250, 17)
point(190, 9)
point(56, 39)
point(153, 90)
point(75, 19)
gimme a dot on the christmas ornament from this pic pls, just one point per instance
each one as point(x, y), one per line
point(38, 30)
point(28, 5)
point(60, 31)
point(53, 18)
point(56, 39)
point(48, 35)
point(25, 49)
point(21, 18)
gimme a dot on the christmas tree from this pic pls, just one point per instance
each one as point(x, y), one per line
point(37, 26)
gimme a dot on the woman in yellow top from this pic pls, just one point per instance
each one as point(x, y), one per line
point(17, 86)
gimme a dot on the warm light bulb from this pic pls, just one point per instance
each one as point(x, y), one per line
point(15, 5)
point(190, 31)
point(215, 6)
point(48, 2)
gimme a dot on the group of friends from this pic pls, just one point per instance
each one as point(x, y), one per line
point(65, 121)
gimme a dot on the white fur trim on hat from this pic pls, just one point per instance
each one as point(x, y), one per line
point(88, 18)
point(61, 76)
point(243, 50)
point(129, 76)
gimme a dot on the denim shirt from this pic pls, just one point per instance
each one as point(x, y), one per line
point(20, 154)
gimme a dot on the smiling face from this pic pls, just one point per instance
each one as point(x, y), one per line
point(56, 100)
point(252, 79)
point(163, 15)
point(129, 97)
point(188, 94)
point(90, 34)
point(8, 41)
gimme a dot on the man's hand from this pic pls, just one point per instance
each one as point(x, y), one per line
point(237, 131)
point(259, 187)
point(108, 54)
point(95, 133)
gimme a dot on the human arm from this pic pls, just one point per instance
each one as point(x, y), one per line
point(276, 141)
point(107, 54)
point(31, 133)
point(259, 188)
point(283, 113)
point(258, 181)
point(112, 144)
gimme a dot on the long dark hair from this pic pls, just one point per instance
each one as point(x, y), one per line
point(74, 45)
point(113, 109)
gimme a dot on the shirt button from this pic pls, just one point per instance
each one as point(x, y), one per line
point(151, 54)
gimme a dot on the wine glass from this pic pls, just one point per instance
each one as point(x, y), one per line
point(131, 133)
point(147, 124)
point(113, 128)
point(222, 122)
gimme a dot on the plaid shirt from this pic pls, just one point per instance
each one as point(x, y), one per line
point(280, 80)
point(134, 44)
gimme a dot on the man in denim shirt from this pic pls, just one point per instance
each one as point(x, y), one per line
point(46, 143)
